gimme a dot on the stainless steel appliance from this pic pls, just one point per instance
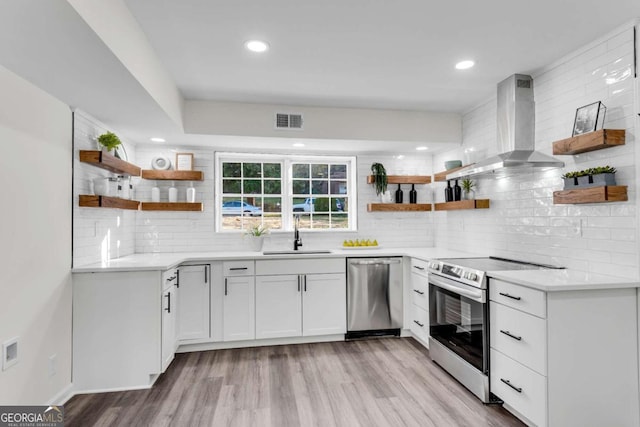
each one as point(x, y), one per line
point(458, 317)
point(374, 296)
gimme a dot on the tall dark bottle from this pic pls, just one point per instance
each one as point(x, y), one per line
point(457, 192)
point(399, 194)
point(448, 193)
point(413, 194)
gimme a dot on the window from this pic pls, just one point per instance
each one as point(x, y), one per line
point(269, 190)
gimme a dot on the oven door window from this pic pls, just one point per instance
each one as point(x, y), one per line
point(459, 324)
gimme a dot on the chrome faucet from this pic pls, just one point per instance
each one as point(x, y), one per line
point(297, 241)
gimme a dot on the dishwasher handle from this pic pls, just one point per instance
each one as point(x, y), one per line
point(376, 262)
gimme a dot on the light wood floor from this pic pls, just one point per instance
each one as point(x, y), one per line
point(377, 382)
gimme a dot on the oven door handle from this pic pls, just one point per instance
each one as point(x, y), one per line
point(472, 294)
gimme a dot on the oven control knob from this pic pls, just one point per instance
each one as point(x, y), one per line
point(472, 276)
point(434, 266)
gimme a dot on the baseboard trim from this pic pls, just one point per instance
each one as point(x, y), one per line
point(187, 348)
point(62, 396)
point(109, 390)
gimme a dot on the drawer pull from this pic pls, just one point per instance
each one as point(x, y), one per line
point(507, 382)
point(418, 267)
point(509, 334)
point(238, 268)
point(418, 292)
point(418, 323)
point(510, 296)
point(172, 278)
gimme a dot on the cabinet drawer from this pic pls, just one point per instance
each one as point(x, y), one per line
point(420, 323)
point(238, 268)
point(420, 291)
point(522, 298)
point(169, 278)
point(419, 266)
point(519, 335)
point(527, 390)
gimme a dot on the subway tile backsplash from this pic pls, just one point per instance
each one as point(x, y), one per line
point(523, 222)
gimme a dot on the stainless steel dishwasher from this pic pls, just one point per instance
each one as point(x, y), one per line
point(374, 296)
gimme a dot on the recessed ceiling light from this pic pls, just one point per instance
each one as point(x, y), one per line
point(298, 144)
point(257, 46)
point(422, 148)
point(463, 65)
point(156, 139)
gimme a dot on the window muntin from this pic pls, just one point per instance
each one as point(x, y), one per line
point(319, 189)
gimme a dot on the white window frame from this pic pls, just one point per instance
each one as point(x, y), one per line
point(287, 162)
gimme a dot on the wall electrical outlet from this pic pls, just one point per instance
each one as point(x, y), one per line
point(9, 353)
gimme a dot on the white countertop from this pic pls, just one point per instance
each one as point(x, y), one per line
point(164, 261)
point(563, 280)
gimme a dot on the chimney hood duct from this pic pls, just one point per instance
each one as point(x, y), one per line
point(516, 131)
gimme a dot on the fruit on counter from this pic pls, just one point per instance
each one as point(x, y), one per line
point(358, 242)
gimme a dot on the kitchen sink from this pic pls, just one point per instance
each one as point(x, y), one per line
point(292, 252)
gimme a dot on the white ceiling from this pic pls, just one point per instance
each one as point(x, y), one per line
point(327, 53)
point(367, 53)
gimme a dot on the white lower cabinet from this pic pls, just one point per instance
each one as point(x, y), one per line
point(303, 303)
point(419, 296)
point(194, 302)
point(564, 359)
point(239, 308)
point(169, 321)
point(278, 306)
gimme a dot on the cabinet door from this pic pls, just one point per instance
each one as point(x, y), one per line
point(420, 291)
point(278, 306)
point(324, 304)
point(239, 309)
point(169, 301)
point(194, 302)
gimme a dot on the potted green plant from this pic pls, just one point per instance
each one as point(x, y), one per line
point(256, 234)
point(468, 189)
point(381, 181)
point(592, 177)
point(109, 141)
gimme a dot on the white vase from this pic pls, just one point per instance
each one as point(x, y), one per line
point(386, 197)
point(255, 243)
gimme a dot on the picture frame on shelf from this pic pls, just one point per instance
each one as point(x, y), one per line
point(184, 161)
point(589, 118)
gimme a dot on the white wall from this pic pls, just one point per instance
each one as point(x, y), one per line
point(98, 234)
point(35, 230)
point(194, 231)
point(523, 222)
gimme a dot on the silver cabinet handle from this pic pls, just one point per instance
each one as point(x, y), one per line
point(510, 296)
point(304, 277)
point(225, 285)
point(299, 278)
point(418, 267)
point(238, 268)
point(168, 309)
point(418, 292)
point(507, 382)
point(509, 334)
point(418, 323)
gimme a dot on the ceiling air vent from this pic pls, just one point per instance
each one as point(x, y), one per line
point(288, 121)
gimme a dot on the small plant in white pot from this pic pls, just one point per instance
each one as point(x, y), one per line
point(256, 234)
point(109, 141)
point(468, 191)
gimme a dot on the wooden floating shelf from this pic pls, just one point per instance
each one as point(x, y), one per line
point(398, 207)
point(463, 204)
point(403, 179)
point(442, 176)
point(616, 193)
point(109, 162)
point(591, 141)
point(108, 202)
point(172, 175)
point(166, 206)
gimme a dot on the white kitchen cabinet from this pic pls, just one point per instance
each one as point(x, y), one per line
point(419, 297)
point(169, 320)
point(324, 302)
point(278, 306)
point(301, 297)
point(194, 302)
point(565, 358)
point(239, 301)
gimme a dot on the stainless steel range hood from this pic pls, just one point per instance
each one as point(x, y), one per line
point(516, 134)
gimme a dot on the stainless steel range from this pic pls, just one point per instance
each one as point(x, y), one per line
point(459, 313)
